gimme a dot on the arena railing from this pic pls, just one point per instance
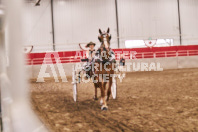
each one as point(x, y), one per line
point(140, 54)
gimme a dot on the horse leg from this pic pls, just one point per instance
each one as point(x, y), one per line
point(101, 90)
point(96, 86)
point(109, 88)
point(103, 97)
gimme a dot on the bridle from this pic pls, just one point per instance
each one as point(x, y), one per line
point(104, 52)
point(105, 43)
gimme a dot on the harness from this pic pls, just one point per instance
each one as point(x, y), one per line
point(98, 57)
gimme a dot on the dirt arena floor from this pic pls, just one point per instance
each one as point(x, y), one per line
point(146, 102)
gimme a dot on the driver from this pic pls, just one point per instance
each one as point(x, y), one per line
point(90, 54)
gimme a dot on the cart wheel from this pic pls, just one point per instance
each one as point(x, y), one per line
point(114, 87)
point(74, 82)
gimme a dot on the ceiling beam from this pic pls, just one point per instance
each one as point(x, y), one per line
point(38, 3)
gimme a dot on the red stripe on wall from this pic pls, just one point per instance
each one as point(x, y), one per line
point(155, 52)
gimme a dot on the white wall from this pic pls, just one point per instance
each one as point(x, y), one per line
point(37, 29)
point(141, 19)
point(78, 21)
point(189, 21)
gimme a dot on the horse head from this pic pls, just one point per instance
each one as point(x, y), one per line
point(104, 38)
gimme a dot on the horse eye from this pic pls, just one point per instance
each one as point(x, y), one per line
point(110, 37)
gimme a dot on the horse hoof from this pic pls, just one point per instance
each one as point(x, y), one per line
point(104, 108)
point(95, 98)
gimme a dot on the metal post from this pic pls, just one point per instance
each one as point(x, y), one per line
point(52, 16)
point(180, 37)
point(18, 115)
point(117, 23)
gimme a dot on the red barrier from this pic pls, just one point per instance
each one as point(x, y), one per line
point(155, 52)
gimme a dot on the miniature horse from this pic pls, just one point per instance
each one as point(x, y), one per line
point(103, 68)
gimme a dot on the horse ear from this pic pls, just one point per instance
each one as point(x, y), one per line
point(108, 30)
point(100, 31)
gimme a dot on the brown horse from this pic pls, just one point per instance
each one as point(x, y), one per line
point(103, 68)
